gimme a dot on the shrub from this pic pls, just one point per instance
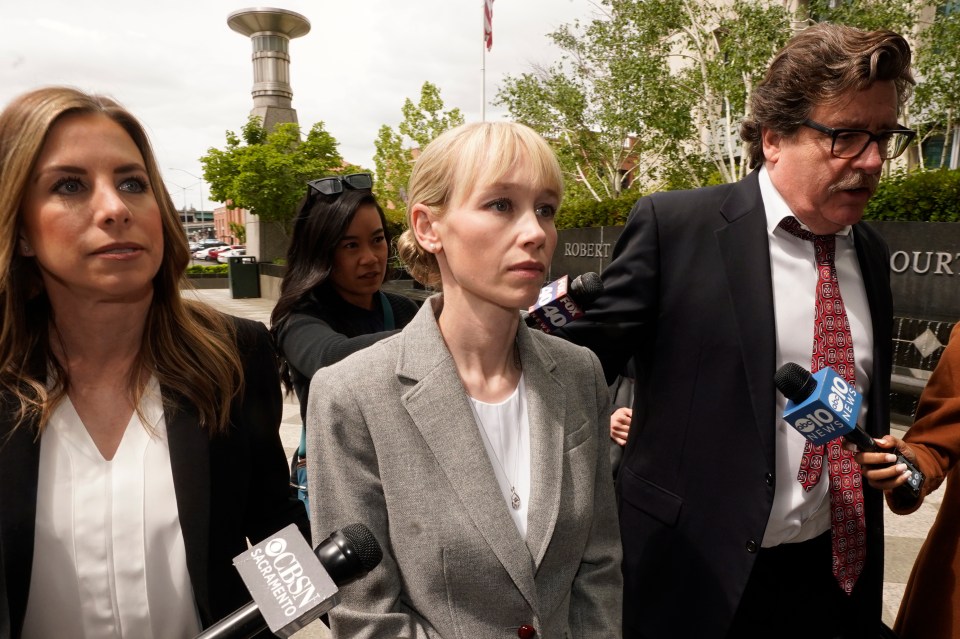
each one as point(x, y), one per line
point(207, 269)
point(922, 196)
point(588, 213)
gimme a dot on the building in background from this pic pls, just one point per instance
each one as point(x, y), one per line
point(197, 225)
point(223, 218)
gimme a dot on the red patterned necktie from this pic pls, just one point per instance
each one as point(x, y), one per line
point(833, 346)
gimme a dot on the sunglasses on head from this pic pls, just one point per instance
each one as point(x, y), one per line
point(334, 185)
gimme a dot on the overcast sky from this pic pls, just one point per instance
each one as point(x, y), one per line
point(180, 69)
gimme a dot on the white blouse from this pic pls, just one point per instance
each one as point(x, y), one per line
point(505, 431)
point(109, 559)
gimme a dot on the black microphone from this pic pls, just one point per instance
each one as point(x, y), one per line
point(823, 406)
point(292, 585)
point(563, 301)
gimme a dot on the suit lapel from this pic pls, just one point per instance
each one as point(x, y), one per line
point(19, 474)
point(546, 411)
point(439, 407)
point(745, 251)
point(874, 265)
point(190, 464)
point(875, 271)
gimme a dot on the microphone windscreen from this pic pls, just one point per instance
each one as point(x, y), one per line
point(794, 381)
point(585, 288)
point(365, 545)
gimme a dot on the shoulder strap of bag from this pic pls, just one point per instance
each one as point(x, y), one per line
point(388, 322)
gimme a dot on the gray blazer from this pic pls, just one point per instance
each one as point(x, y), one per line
point(392, 443)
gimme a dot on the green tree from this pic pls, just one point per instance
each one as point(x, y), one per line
point(726, 49)
point(239, 231)
point(937, 64)
point(651, 93)
point(394, 154)
point(609, 106)
point(266, 172)
point(897, 15)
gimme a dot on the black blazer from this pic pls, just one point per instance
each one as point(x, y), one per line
point(229, 488)
point(689, 294)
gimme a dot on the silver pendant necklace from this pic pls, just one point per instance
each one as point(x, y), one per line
point(514, 497)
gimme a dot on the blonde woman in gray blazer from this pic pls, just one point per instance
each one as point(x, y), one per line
point(473, 447)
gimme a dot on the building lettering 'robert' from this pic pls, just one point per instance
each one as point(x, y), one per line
point(925, 262)
point(586, 249)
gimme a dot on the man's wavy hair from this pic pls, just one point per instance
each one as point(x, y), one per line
point(188, 346)
point(818, 66)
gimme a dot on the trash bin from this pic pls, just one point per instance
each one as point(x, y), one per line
point(244, 277)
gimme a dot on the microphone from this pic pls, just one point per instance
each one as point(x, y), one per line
point(823, 406)
point(292, 585)
point(562, 301)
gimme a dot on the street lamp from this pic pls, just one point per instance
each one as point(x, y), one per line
point(196, 177)
point(183, 192)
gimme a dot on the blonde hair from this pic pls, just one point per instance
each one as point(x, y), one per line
point(189, 347)
point(459, 160)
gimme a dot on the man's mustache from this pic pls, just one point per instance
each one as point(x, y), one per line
point(856, 181)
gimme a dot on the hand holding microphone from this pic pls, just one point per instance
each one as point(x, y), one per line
point(890, 466)
point(823, 406)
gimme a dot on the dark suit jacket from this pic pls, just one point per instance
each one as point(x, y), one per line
point(689, 293)
point(229, 487)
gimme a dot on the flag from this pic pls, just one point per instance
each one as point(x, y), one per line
point(488, 23)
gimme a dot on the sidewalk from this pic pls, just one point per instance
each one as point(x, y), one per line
point(904, 535)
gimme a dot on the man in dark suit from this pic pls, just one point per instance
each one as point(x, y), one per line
point(4, 611)
point(711, 294)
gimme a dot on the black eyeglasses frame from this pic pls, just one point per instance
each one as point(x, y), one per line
point(872, 137)
point(333, 185)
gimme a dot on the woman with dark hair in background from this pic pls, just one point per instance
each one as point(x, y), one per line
point(139, 431)
point(330, 301)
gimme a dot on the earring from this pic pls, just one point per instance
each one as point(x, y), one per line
point(433, 247)
point(25, 248)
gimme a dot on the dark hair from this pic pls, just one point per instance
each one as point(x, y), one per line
point(818, 66)
point(321, 222)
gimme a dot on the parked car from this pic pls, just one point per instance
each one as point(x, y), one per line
point(215, 251)
point(204, 253)
point(223, 256)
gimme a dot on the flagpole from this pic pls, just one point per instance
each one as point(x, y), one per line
point(483, 70)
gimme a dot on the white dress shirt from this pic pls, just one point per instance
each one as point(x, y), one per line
point(798, 515)
point(108, 559)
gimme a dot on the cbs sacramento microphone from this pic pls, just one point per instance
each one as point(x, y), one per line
point(562, 301)
point(823, 406)
point(292, 585)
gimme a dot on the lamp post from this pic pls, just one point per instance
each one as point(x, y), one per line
point(183, 192)
point(196, 177)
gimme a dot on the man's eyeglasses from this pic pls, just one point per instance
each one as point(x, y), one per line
point(334, 185)
point(850, 143)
